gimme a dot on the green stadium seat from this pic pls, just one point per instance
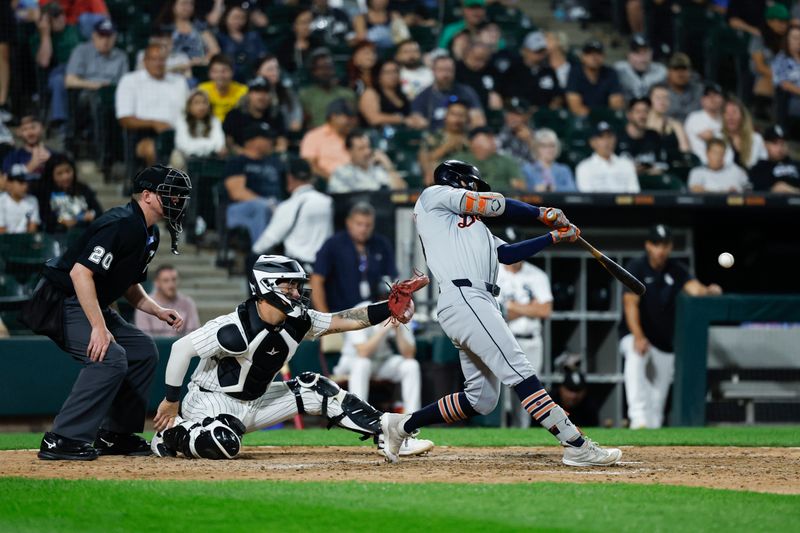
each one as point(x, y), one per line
point(26, 253)
point(426, 36)
point(664, 182)
point(306, 358)
point(443, 351)
point(554, 119)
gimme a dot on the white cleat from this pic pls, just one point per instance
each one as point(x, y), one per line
point(410, 446)
point(393, 435)
point(590, 454)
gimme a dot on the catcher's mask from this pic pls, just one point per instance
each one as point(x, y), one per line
point(270, 272)
point(173, 188)
point(461, 175)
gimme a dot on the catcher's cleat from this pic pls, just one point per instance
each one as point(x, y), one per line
point(55, 447)
point(112, 443)
point(410, 446)
point(394, 435)
point(590, 454)
point(159, 447)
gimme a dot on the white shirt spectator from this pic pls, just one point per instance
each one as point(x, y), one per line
point(352, 178)
point(617, 174)
point(730, 178)
point(199, 146)
point(303, 222)
point(412, 82)
point(15, 216)
point(696, 123)
point(142, 96)
point(528, 285)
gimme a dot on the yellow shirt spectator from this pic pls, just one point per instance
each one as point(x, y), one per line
point(221, 104)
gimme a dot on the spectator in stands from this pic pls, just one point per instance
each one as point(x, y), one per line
point(516, 136)
point(238, 42)
point(3, 330)
point(84, 13)
point(573, 395)
point(361, 67)
point(763, 48)
point(474, 13)
point(316, 98)
point(779, 173)
point(746, 15)
point(532, 78)
point(19, 211)
point(557, 56)
point(640, 144)
point(786, 74)
point(648, 326)
point(380, 24)
point(593, 84)
point(324, 147)
point(501, 172)
point(189, 36)
point(745, 145)
point(296, 50)
point(6, 145)
point(639, 72)
point(442, 144)
point(165, 293)
point(366, 354)
point(414, 12)
point(368, 169)
point(353, 265)
point(255, 108)
point(198, 133)
point(254, 181)
point(287, 108)
point(7, 36)
point(706, 123)
point(222, 91)
point(545, 174)
point(52, 46)
point(30, 158)
point(476, 71)
point(717, 175)
point(414, 74)
point(331, 25)
point(65, 202)
point(385, 104)
point(302, 222)
point(91, 67)
point(684, 93)
point(177, 62)
point(673, 136)
point(431, 104)
point(150, 101)
point(604, 171)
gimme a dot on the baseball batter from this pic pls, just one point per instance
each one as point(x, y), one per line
point(233, 391)
point(464, 256)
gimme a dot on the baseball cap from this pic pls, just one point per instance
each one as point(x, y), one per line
point(479, 130)
point(680, 60)
point(574, 380)
point(777, 12)
point(258, 129)
point(18, 173)
point(299, 168)
point(517, 105)
point(602, 128)
point(593, 45)
point(340, 106)
point(638, 42)
point(774, 133)
point(535, 41)
point(105, 27)
point(659, 233)
point(474, 3)
point(711, 87)
point(259, 83)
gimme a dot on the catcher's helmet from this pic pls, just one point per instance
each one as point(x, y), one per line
point(268, 271)
point(461, 175)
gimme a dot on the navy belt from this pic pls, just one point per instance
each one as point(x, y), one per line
point(493, 289)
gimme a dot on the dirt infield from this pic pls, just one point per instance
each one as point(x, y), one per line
point(775, 470)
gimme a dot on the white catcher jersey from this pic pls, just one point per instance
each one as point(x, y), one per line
point(525, 286)
point(456, 246)
point(240, 354)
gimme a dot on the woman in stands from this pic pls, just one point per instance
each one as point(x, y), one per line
point(378, 24)
point(361, 67)
point(673, 136)
point(385, 104)
point(786, 73)
point(188, 35)
point(65, 202)
point(198, 133)
point(238, 42)
point(745, 146)
point(545, 174)
point(284, 97)
point(294, 51)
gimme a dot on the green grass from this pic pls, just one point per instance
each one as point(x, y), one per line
point(105, 506)
point(712, 436)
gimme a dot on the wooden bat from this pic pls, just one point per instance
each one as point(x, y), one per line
point(613, 268)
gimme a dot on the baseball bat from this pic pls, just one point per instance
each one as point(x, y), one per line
point(613, 268)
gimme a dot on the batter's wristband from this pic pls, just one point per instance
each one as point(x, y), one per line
point(377, 313)
point(173, 393)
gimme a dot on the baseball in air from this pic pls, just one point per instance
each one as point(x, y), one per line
point(725, 260)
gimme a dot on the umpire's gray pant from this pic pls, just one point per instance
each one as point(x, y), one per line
point(112, 393)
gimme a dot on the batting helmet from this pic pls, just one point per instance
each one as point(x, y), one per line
point(461, 175)
point(270, 270)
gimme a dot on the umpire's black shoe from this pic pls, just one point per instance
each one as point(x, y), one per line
point(111, 443)
point(54, 447)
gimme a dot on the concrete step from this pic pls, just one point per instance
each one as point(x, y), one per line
point(234, 291)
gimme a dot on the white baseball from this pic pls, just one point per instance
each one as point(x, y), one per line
point(725, 260)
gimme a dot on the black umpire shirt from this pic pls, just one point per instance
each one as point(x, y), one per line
point(657, 305)
point(117, 248)
point(765, 174)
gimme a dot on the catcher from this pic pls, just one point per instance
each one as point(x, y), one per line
point(232, 391)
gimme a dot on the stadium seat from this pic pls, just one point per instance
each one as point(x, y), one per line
point(307, 358)
point(664, 182)
point(554, 119)
point(426, 37)
point(26, 253)
point(725, 48)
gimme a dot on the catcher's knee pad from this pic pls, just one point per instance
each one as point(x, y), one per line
point(318, 395)
point(213, 438)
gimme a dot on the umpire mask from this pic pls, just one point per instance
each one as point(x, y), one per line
point(174, 188)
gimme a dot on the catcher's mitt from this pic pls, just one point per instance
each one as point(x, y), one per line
point(400, 296)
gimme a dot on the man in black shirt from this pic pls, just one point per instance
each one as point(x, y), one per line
point(476, 71)
point(531, 77)
point(648, 324)
point(255, 110)
point(778, 173)
point(639, 144)
point(592, 84)
point(108, 401)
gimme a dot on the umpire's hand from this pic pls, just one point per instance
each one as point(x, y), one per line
point(171, 317)
point(98, 343)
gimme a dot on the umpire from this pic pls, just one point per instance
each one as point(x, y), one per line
point(71, 306)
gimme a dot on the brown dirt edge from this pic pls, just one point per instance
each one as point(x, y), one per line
point(771, 470)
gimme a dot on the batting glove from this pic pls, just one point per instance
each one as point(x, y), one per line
point(553, 217)
point(568, 234)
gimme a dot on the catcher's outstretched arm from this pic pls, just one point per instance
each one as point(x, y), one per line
point(358, 318)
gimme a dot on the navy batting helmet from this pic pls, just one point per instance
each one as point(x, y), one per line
point(461, 175)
